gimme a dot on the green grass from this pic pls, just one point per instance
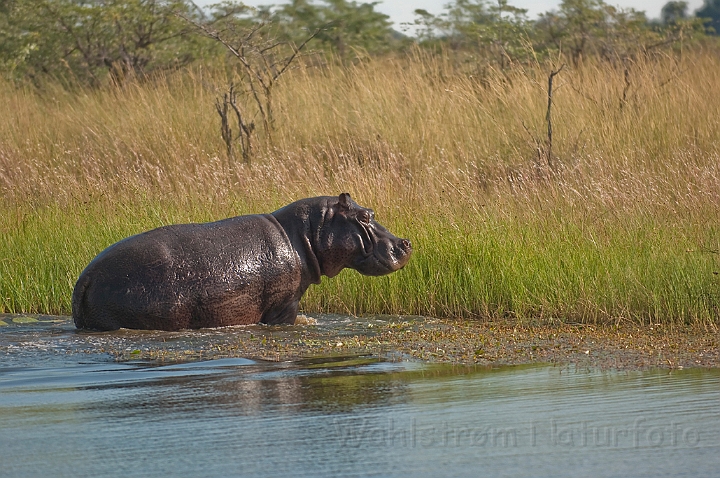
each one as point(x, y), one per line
point(533, 269)
point(525, 268)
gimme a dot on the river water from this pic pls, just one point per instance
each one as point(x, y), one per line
point(68, 408)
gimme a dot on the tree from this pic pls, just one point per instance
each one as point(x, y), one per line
point(497, 31)
point(583, 28)
point(89, 40)
point(344, 26)
point(574, 27)
point(674, 11)
point(425, 24)
point(711, 11)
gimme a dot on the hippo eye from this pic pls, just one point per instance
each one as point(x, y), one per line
point(363, 217)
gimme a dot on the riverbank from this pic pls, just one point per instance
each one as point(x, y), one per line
point(623, 346)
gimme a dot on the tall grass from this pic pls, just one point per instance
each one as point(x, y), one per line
point(625, 226)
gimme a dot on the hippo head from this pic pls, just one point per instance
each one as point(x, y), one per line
point(350, 237)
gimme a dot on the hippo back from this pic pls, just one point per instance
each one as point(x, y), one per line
point(230, 272)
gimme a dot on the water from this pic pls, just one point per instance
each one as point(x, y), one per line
point(67, 408)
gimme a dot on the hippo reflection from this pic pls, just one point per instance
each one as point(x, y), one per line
point(242, 270)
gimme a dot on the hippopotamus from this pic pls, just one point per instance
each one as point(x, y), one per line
point(237, 271)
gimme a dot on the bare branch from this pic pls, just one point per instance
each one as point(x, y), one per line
point(548, 118)
point(215, 35)
point(297, 51)
point(225, 130)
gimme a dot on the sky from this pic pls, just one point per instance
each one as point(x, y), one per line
point(402, 10)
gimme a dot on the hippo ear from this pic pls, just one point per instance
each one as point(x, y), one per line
point(344, 200)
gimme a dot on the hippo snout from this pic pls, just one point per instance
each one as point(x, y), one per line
point(389, 254)
point(400, 255)
point(403, 249)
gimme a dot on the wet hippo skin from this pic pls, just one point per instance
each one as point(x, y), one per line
point(242, 270)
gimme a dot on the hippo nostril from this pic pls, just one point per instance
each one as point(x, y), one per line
point(406, 244)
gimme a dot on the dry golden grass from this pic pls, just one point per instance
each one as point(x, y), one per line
point(419, 125)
